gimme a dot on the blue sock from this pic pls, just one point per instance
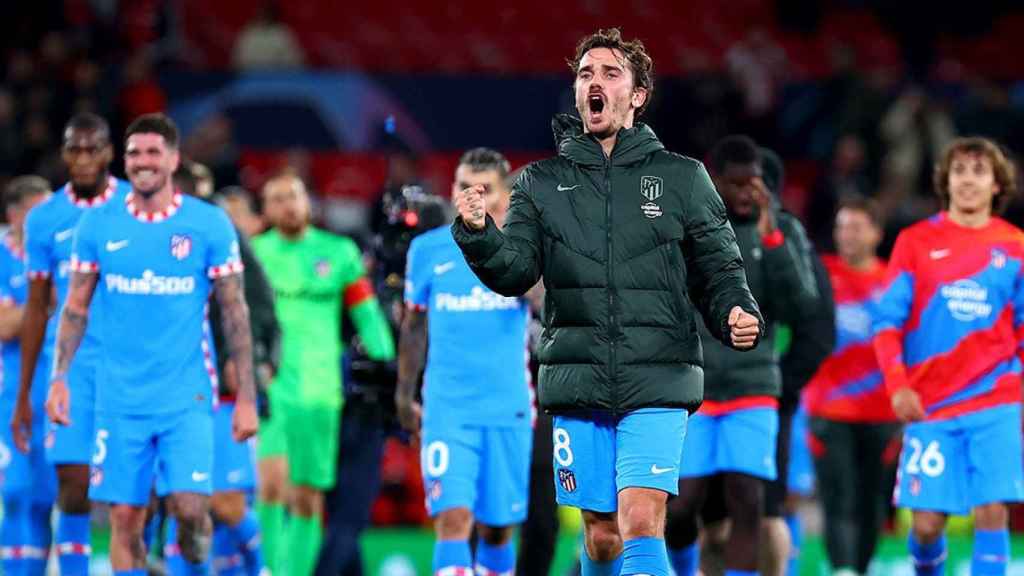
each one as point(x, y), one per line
point(929, 559)
point(740, 573)
point(685, 561)
point(991, 552)
point(795, 538)
point(449, 555)
point(246, 536)
point(136, 572)
point(151, 531)
point(13, 528)
point(227, 559)
point(73, 546)
point(176, 563)
point(495, 560)
point(644, 556)
point(591, 568)
point(38, 536)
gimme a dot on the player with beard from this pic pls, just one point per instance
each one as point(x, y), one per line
point(154, 258)
point(316, 276)
point(948, 337)
point(475, 417)
point(631, 241)
point(49, 227)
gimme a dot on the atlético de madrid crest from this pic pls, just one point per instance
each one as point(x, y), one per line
point(567, 479)
point(181, 246)
point(651, 188)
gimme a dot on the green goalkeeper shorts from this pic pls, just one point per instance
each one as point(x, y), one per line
point(310, 438)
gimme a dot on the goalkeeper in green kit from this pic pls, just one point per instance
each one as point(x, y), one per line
point(316, 276)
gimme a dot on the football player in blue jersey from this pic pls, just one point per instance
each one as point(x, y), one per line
point(28, 482)
point(151, 262)
point(49, 227)
point(475, 424)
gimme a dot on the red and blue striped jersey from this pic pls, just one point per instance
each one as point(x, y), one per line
point(951, 314)
point(848, 385)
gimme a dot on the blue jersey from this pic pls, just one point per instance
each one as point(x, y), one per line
point(14, 292)
point(49, 228)
point(477, 357)
point(156, 272)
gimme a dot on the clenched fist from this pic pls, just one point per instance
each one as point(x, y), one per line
point(744, 328)
point(470, 205)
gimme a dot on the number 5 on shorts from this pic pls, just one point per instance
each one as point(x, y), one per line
point(101, 447)
point(927, 460)
point(563, 453)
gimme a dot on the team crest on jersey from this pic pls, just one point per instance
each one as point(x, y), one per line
point(323, 268)
point(435, 490)
point(915, 486)
point(998, 258)
point(181, 246)
point(567, 479)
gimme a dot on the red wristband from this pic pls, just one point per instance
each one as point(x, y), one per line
point(773, 240)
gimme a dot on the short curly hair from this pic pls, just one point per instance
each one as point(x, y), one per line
point(1003, 169)
point(640, 63)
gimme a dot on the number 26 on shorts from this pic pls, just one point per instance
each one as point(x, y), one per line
point(927, 460)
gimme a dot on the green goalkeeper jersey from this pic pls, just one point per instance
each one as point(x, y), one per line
point(315, 279)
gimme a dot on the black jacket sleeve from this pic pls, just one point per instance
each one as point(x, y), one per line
point(259, 296)
point(813, 338)
point(266, 332)
point(790, 274)
point(507, 261)
point(715, 277)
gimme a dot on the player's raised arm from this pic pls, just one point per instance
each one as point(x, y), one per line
point(70, 331)
point(508, 260)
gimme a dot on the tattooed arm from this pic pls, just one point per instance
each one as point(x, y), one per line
point(69, 335)
point(412, 355)
point(234, 317)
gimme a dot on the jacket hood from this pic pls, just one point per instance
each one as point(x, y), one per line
point(632, 145)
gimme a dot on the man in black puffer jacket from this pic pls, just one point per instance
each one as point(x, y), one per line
point(733, 436)
point(631, 241)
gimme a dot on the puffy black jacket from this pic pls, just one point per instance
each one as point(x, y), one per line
point(630, 247)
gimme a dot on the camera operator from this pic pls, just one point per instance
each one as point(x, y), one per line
point(369, 411)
